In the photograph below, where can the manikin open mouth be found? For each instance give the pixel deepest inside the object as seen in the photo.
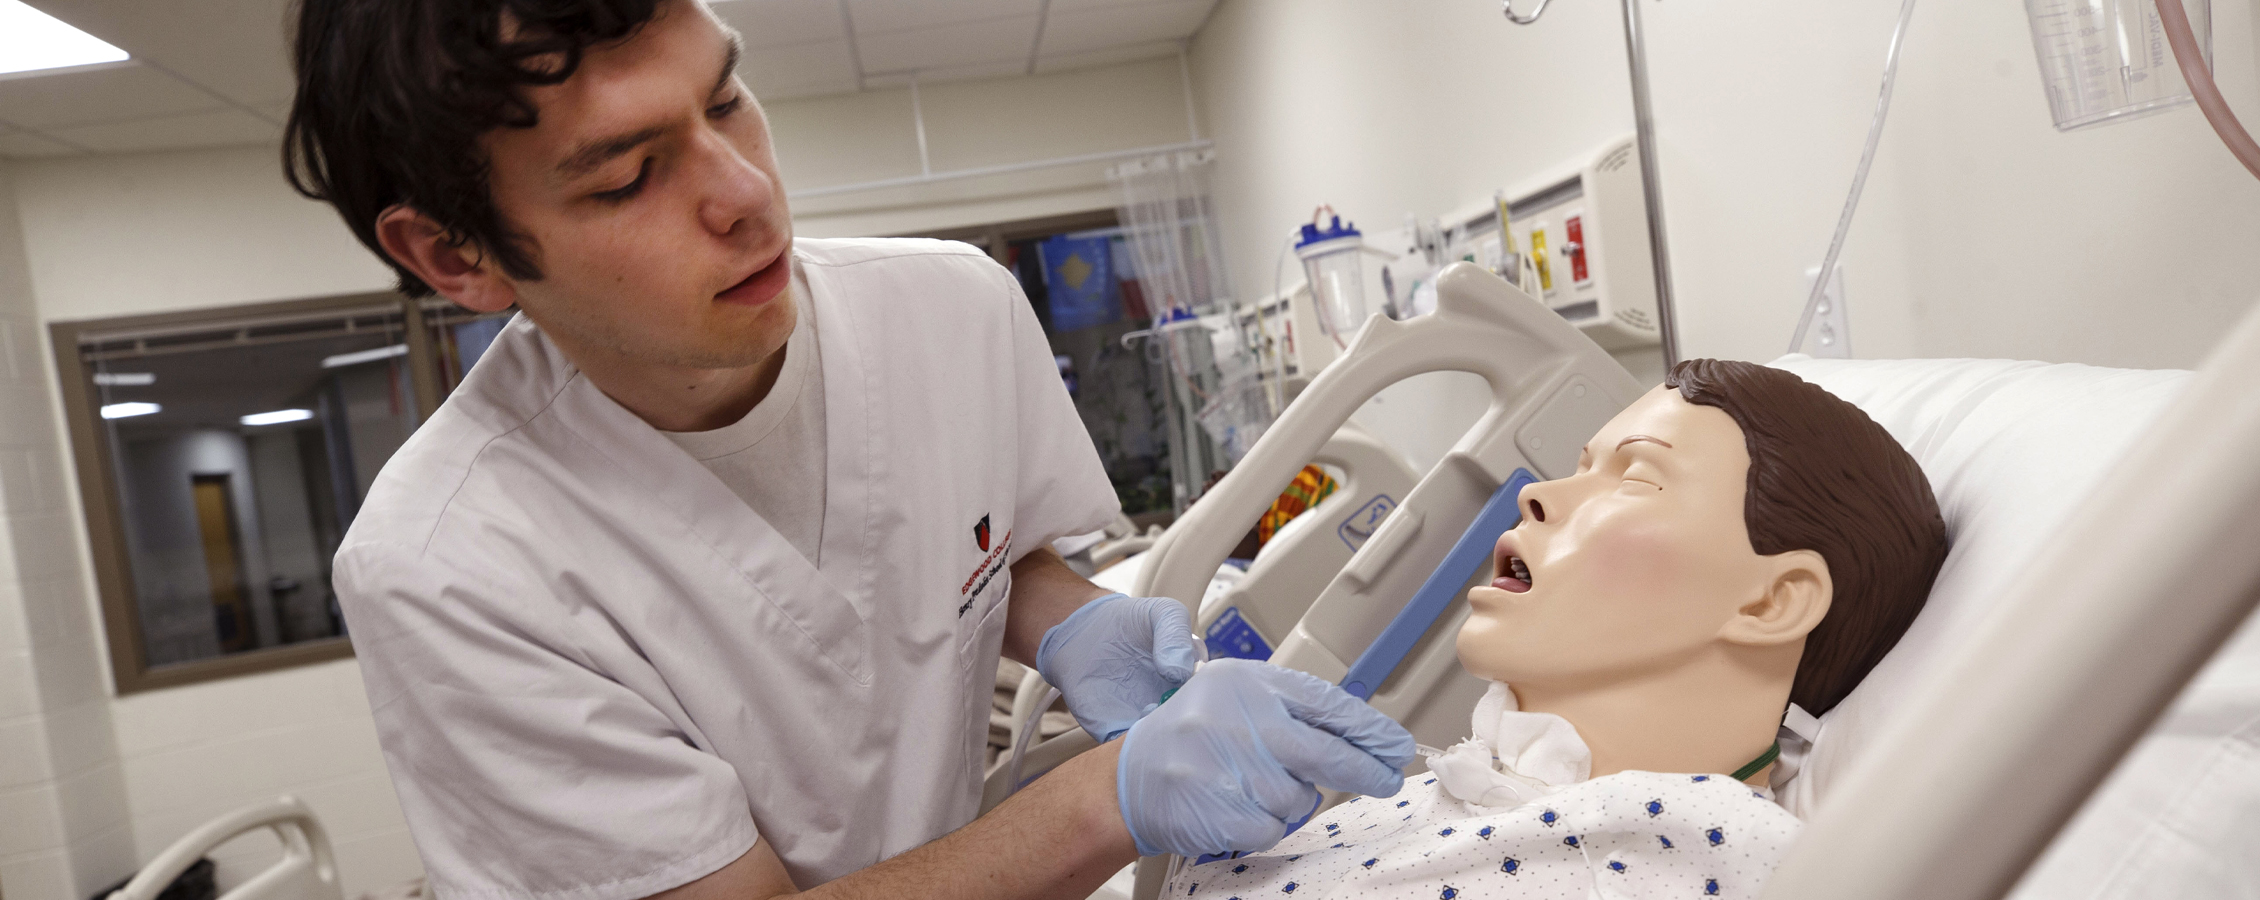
(1515, 578)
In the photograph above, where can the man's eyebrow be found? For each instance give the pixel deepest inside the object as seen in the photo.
(591, 154)
(733, 47)
(1635, 438)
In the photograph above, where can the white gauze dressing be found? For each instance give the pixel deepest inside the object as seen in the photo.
(1513, 757)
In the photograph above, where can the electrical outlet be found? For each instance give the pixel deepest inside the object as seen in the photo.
(1830, 336)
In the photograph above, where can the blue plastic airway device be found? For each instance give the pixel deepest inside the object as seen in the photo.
(1428, 604)
(1435, 596)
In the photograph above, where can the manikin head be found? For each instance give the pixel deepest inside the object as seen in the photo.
(1736, 530)
(598, 163)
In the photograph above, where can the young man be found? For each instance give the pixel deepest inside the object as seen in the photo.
(696, 585)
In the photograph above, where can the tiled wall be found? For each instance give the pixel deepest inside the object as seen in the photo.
(189, 754)
(63, 818)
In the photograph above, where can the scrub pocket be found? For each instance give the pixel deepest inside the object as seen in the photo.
(984, 619)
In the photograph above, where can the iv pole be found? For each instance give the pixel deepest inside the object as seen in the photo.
(1644, 130)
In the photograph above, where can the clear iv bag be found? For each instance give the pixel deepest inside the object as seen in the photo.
(2107, 60)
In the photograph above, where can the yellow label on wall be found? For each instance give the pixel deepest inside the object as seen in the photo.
(1538, 254)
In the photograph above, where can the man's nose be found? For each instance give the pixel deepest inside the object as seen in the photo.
(734, 191)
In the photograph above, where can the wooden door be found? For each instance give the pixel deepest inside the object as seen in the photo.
(215, 519)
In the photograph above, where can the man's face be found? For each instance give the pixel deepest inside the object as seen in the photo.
(1634, 563)
(650, 191)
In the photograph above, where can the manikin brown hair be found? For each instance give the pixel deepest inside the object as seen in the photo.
(1824, 477)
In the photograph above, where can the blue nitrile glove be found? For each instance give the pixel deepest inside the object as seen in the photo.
(1232, 758)
(1114, 658)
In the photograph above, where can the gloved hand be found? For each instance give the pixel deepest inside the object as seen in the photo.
(1230, 760)
(1114, 658)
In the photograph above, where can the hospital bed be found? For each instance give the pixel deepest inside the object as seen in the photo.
(2106, 528)
(306, 871)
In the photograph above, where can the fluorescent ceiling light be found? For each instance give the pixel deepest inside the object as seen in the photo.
(125, 379)
(31, 40)
(277, 417)
(127, 410)
(358, 357)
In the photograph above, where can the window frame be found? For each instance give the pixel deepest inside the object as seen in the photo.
(99, 495)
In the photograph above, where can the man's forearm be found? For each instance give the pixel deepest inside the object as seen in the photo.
(1061, 837)
(1044, 593)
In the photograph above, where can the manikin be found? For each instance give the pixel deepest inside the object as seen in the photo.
(1735, 542)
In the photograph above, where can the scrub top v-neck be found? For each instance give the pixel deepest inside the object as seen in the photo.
(773, 456)
(597, 673)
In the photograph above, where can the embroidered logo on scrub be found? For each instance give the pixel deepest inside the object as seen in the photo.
(987, 570)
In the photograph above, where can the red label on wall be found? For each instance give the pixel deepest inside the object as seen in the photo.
(1576, 248)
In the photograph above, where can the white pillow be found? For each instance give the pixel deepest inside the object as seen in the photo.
(2011, 450)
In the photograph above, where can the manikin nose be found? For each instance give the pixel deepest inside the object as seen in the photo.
(1535, 510)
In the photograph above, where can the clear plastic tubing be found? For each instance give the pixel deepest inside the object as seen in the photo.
(1859, 177)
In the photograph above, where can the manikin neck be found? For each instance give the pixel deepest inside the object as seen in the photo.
(1713, 713)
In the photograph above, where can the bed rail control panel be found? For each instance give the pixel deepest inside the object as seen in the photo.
(1467, 556)
(1395, 532)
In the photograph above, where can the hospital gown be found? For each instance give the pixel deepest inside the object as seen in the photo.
(1631, 834)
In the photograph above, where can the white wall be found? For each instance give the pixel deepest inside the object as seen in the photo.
(191, 753)
(855, 138)
(1984, 232)
(159, 232)
(120, 235)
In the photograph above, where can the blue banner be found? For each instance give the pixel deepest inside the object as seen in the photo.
(1079, 276)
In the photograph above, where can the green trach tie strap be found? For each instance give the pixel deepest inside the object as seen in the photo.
(1744, 773)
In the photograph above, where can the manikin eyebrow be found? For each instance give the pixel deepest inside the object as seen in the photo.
(590, 155)
(1634, 438)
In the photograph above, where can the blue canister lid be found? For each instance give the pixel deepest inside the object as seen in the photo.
(1313, 234)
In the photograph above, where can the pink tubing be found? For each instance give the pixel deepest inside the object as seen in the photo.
(2201, 86)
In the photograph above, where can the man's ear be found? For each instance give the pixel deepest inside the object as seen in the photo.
(458, 272)
(1797, 595)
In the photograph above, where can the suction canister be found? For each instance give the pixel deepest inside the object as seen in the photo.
(1333, 262)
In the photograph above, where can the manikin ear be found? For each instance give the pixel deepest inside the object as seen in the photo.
(458, 272)
(1796, 597)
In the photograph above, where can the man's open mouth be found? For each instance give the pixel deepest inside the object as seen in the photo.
(763, 284)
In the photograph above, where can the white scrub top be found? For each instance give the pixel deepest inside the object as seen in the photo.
(596, 673)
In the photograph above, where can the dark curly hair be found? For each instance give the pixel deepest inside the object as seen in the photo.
(393, 96)
(1825, 477)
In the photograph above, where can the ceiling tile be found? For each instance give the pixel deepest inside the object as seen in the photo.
(767, 23)
(999, 40)
(98, 95)
(26, 145)
(792, 70)
(1091, 59)
(878, 16)
(1076, 30)
(224, 128)
(235, 47)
